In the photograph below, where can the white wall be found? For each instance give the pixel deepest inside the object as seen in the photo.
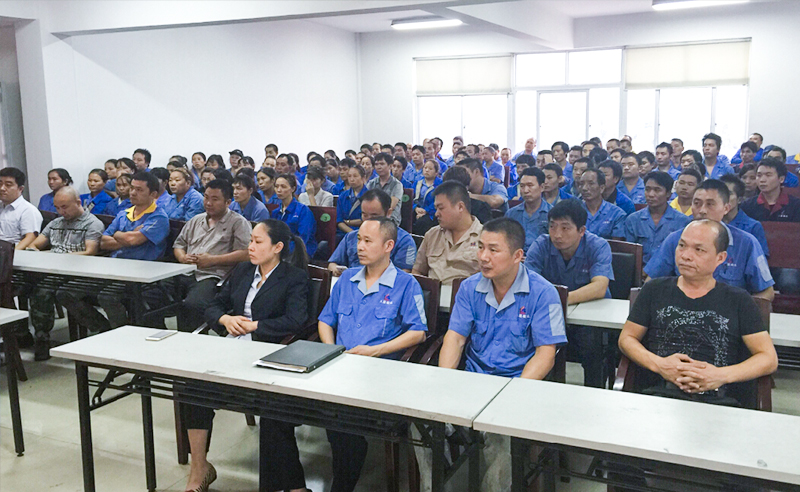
(12, 108)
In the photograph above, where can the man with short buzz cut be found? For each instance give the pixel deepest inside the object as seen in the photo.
(480, 188)
(388, 184)
(716, 163)
(772, 204)
(414, 171)
(20, 220)
(496, 170)
(376, 310)
(531, 214)
(631, 185)
(611, 144)
(575, 153)
(677, 152)
(663, 160)
(448, 249)
(651, 225)
(560, 152)
(758, 153)
(613, 173)
(141, 157)
(552, 191)
(745, 265)
(76, 232)
(603, 219)
(697, 338)
(737, 218)
(779, 153)
(374, 203)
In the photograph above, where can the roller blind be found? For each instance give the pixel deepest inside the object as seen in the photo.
(699, 64)
(464, 75)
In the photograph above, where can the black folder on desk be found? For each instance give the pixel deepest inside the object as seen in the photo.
(301, 356)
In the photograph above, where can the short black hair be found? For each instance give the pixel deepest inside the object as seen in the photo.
(746, 168)
(380, 195)
(457, 173)
(150, 180)
(270, 172)
(402, 160)
(535, 172)
(613, 165)
(749, 145)
(222, 185)
(576, 148)
(13, 172)
(402, 145)
(781, 150)
(290, 179)
(387, 227)
(545, 152)
(244, 180)
(555, 168)
(162, 173)
(100, 172)
(693, 173)
(471, 164)
(665, 145)
(601, 176)
(586, 160)
(713, 136)
(511, 229)
(677, 140)
(568, 209)
(145, 153)
(318, 158)
(775, 164)
(736, 181)
(561, 144)
(661, 178)
(347, 162)
(636, 156)
(613, 140)
(385, 157)
(455, 192)
(526, 159)
(620, 151)
(222, 173)
(718, 186)
(598, 154)
(315, 173)
(127, 163)
(272, 146)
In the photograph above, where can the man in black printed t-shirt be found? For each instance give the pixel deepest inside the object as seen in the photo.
(696, 336)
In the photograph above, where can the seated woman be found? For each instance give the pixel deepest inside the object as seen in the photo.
(111, 169)
(97, 199)
(314, 195)
(265, 300)
(56, 179)
(198, 164)
(748, 175)
(424, 210)
(298, 216)
(266, 186)
(186, 202)
(122, 201)
(244, 202)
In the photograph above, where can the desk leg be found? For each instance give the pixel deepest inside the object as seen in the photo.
(82, 372)
(474, 461)
(519, 451)
(149, 447)
(437, 450)
(137, 308)
(10, 348)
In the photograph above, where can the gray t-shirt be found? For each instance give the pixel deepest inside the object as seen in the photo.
(70, 236)
(229, 234)
(394, 189)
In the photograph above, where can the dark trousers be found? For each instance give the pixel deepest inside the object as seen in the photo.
(81, 306)
(349, 453)
(198, 296)
(279, 459)
(589, 343)
(42, 312)
(423, 225)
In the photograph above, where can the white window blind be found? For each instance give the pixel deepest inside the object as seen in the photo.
(464, 75)
(690, 65)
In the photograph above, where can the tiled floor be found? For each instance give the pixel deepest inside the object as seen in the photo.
(52, 458)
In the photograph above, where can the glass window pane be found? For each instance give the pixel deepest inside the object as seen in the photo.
(486, 119)
(731, 117)
(562, 116)
(684, 113)
(541, 69)
(604, 113)
(439, 117)
(641, 118)
(595, 67)
(525, 111)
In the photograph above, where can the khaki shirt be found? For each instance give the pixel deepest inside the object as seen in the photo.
(440, 259)
(229, 234)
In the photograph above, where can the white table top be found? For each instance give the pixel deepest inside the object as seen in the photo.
(444, 295)
(403, 388)
(729, 440)
(139, 271)
(11, 315)
(784, 329)
(602, 313)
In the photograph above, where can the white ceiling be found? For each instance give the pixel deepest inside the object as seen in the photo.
(380, 21)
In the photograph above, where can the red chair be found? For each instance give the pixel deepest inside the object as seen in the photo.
(507, 178)
(639, 206)
(781, 238)
(514, 203)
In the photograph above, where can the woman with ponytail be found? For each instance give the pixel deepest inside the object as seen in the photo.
(264, 300)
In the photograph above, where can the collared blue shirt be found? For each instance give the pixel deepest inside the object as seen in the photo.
(636, 194)
(46, 203)
(791, 180)
(197, 183)
(97, 204)
(338, 187)
(608, 222)
(273, 200)
(425, 198)
(111, 185)
(591, 259)
(535, 224)
(371, 316)
(403, 255)
(513, 176)
(155, 227)
(191, 205)
(301, 221)
(254, 211)
(745, 223)
(737, 157)
(347, 208)
(116, 206)
(674, 172)
(513, 192)
(721, 168)
(567, 171)
(640, 228)
(163, 199)
(496, 170)
(503, 337)
(563, 194)
(492, 188)
(746, 266)
(624, 203)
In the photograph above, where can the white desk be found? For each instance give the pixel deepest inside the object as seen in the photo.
(10, 345)
(785, 329)
(11, 315)
(733, 441)
(602, 313)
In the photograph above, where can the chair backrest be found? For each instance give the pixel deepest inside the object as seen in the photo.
(335, 200)
(6, 274)
(407, 209)
(175, 228)
(507, 178)
(781, 237)
(417, 239)
(47, 217)
(272, 206)
(626, 261)
(106, 219)
(795, 192)
(326, 225)
(320, 290)
(639, 206)
(431, 290)
(514, 203)
(764, 308)
(456, 285)
(558, 373)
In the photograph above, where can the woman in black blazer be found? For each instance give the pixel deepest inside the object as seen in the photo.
(267, 299)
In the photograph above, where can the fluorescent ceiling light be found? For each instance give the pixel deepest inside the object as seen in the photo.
(424, 23)
(691, 4)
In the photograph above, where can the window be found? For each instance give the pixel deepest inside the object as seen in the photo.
(541, 70)
(730, 122)
(479, 119)
(439, 117)
(604, 113)
(684, 113)
(595, 67)
(562, 116)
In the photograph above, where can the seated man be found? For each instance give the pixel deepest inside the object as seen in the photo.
(532, 212)
(523, 163)
(449, 249)
(745, 265)
(603, 218)
(772, 204)
(512, 319)
(20, 221)
(348, 209)
(631, 185)
(480, 188)
(374, 203)
(244, 203)
(215, 240)
(613, 172)
(480, 210)
(696, 337)
(650, 226)
(571, 256)
(376, 311)
(779, 153)
(688, 181)
(76, 232)
(553, 191)
(388, 184)
(736, 217)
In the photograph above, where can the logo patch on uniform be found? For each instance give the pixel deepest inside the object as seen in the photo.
(386, 300)
(523, 313)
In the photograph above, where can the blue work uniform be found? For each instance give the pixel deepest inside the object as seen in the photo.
(111, 185)
(188, 207)
(155, 227)
(411, 174)
(301, 221)
(404, 253)
(338, 187)
(746, 266)
(562, 195)
(622, 202)
(163, 199)
(567, 172)
(197, 183)
(534, 224)
(492, 188)
(371, 316)
(674, 172)
(118, 205)
(608, 222)
(348, 208)
(516, 156)
(636, 194)
(273, 200)
(720, 169)
(503, 337)
(640, 228)
(513, 192)
(425, 198)
(46, 203)
(791, 181)
(254, 211)
(737, 157)
(745, 223)
(496, 170)
(97, 204)
(591, 259)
